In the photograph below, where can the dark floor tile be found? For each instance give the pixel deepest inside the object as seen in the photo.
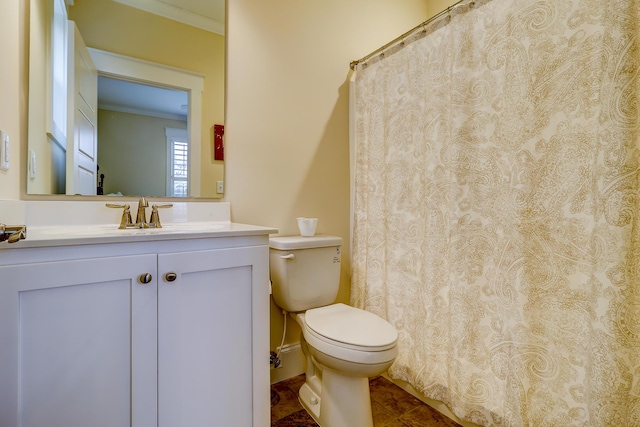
(426, 416)
(395, 423)
(297, 419)
(295, 383)
(392, 397)
(381, 416)
(287, 404)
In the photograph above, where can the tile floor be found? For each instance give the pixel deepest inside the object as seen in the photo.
(391, 407)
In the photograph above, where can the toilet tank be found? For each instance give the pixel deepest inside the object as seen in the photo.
(305, 271)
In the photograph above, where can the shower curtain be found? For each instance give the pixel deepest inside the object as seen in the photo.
(496, 211)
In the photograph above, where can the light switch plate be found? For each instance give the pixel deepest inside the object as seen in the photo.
(32, 164)
(4, 150)
(219, 187)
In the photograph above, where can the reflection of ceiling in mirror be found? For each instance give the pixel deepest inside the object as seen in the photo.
(130, 97)
(205, 14)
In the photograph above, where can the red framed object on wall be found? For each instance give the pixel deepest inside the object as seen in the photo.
(218, 142)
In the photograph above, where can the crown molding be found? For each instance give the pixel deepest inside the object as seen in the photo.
(177, 14)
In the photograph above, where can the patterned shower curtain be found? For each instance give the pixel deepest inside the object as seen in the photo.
(497, 210)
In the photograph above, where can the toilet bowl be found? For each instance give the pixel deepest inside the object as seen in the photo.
(343, 346)
(349, 334)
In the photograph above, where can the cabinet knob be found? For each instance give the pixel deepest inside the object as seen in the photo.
(170, 277)
(145, 278)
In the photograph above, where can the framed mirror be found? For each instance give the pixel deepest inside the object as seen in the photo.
(135, 157)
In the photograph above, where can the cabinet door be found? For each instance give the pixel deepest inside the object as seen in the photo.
(78, 343)
(213, 338)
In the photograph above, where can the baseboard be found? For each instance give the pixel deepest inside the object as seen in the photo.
(292, 363)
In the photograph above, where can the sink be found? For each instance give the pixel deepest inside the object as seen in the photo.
(84, 230)
(111, 230)
(183, 227)
(191, 226)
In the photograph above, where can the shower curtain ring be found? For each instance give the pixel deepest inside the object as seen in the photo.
(451, 9)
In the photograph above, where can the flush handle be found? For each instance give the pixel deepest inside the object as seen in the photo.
(288, 256)
(145, 278)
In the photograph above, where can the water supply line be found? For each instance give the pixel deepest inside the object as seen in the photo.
(275, 357)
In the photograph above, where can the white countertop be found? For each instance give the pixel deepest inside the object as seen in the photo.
(85, 223)
(47, 236)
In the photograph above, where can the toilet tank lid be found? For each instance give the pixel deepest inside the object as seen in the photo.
(287, 243)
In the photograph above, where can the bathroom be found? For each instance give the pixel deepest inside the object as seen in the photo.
(287, 138)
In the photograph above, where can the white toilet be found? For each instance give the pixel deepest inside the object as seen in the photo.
(344, 346)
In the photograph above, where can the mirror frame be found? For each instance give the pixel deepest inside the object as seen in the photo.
(150, 73)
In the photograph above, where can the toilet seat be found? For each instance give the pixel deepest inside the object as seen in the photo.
(349, 333)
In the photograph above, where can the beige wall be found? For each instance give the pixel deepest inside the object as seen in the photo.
(287, 110)
(12, 93)
(436, 6)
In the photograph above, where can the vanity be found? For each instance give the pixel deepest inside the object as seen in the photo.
(136, 327)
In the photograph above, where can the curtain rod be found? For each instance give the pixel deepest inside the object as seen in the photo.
(401, 38)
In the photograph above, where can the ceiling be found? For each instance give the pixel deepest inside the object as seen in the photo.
(129, 97)
(120, 95)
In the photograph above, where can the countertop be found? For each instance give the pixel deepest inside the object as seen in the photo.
(48, 236)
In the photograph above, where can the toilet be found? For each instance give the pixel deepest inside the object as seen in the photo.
(343, 346)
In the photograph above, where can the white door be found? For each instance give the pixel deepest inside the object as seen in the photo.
(82, 148)
(78, 343)
(210, 364)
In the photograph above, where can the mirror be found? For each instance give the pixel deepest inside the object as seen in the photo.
(126, 38)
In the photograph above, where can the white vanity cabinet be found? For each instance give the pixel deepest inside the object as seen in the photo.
(85, 342)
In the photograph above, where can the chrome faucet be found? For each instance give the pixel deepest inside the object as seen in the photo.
(12, 233)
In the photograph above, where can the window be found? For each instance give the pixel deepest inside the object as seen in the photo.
(177, 162)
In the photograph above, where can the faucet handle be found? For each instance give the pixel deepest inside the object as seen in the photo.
(19, 233)
(154, 221)
(12, 233)
(125, 221)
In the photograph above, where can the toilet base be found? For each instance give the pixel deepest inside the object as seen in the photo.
(337, 400)
(310, 401)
